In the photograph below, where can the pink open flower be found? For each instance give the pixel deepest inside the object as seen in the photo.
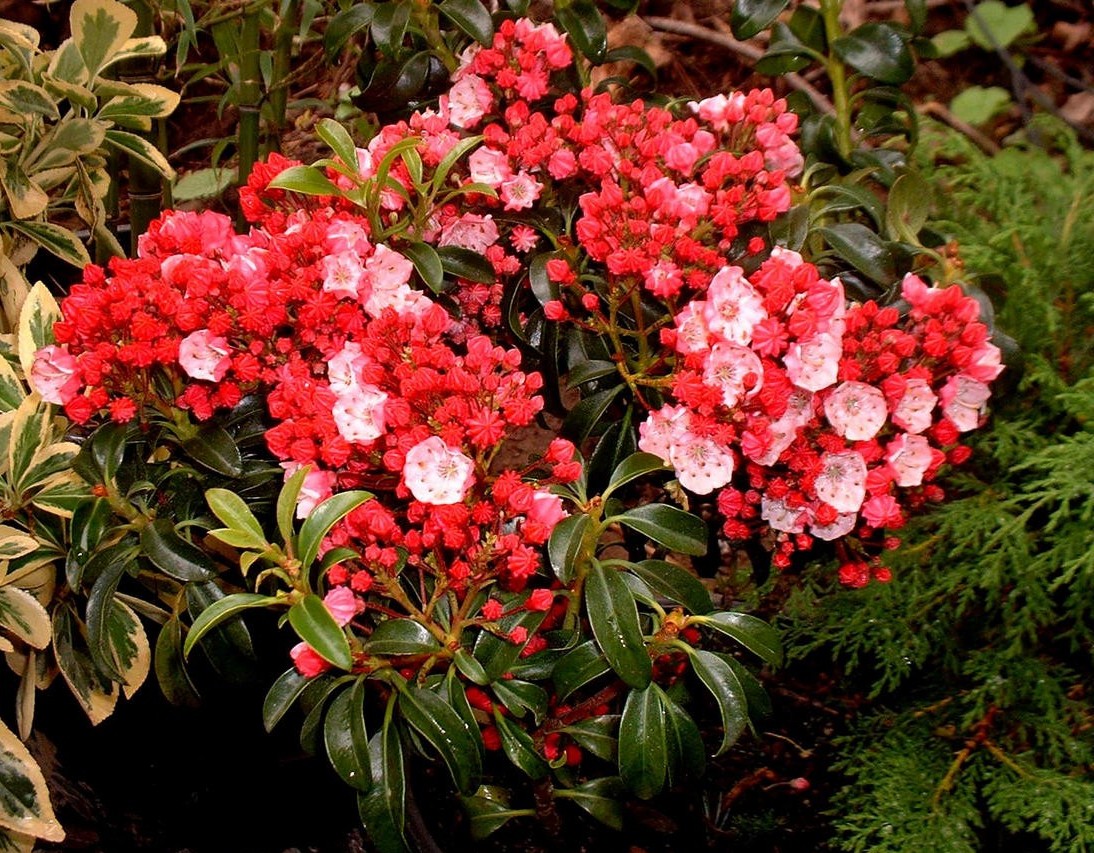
(204, 355)
(53, 375)
(842, 481)
(342, 604)
(856, 410)
(437, 474)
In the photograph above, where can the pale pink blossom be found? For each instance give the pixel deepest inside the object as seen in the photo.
(681, 156)
(317, 487)
(909, 457)
(342, 274)
(692, 334)
(856, 410)
(468, 100)
(842, 481)
(915, 410)
(813, 364)
(986, 363)
(689, 202)
(359, 414)
(964, 401)
(489, 166)
(733, 306)
(547, 509)
(344, 367)
(345, 235)
(734, 370)
(471, 231)
(387, 269)
(657, 433)
(520, 191)
(436, 474)
(844, 524)
(205, 232)
(780, 435)
(702, 464)
(342, 604)
(203, 355)
(782, 517)
(53, 375)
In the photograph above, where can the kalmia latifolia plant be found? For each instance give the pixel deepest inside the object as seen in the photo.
(406, 308)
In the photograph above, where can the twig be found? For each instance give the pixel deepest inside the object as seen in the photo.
(746, 51)
(940, 112)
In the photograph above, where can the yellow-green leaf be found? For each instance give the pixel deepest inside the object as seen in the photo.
(30, 430)
(96, 694)
(15, 543)
(25, 198)
(142, 99)
(100, 28)
(24, 800)
(142, 149)
(129, 647)
(23, 616)
(26, 99)
(140, 46)
(39, 312)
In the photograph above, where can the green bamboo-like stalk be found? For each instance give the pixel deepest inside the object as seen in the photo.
(145, 183)
(250, 93)
(837, 75)
(282, 66)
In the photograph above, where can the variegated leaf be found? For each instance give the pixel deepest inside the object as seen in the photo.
(39, 312)
(129, 647)
(96, 694)
(139, 99)
(16, 842)
(76, 93)
(13, 292)
(100, 28)
(18, 36)
(23, 616)
(25, 696)
(30, 430)
(7, 419)
(47, 461)
(37, 578)
(24, 800)
(140, 46)
(142, 149)
(61, 494)
(27, 99)
(15, 542)
(56, 240)
(25, 198)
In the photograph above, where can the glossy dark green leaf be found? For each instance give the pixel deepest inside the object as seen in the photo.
(456, 696)
(863, 249)
(95, 692)
(750, 17)
(346, 738)
(669, 526)
(584, 418)
(643, 743)
(319, 522)
(759, 703)
(389, 23)
(347, 23)
(722, 682)
(497, 655)
(602, 798)
(439, 724)
(583, 23)
(596, 735)
(107, 447)
(878, 51)
(674, 583)
(785, 53)
(99, 602)
(838, 198)
(286, 502)
(587, 371)
(401, 637)
(519, 748)
(635, 54)
(472, 670)
(753, 633)
(281, 696)
(170, 668)
(172, 554)
(90, 520)
(543, 288)
(488, 811)
(909, 207)
(579, 666)
(686, 753)
(459, 262)
(216, 611)
(807, 25)
(521, 697)
(564, 544)
(427, 263)
(313, 702)
(471, 17)
(306, 180)
(613, 617)
(315, 625)
(213, 448)
(634, 466)
(383, 807)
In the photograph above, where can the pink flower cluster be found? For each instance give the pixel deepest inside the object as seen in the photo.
(814, 420)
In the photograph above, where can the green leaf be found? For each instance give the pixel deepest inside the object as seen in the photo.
(339, 140)
(602, 798)
(27, 100)
(497, 655)
(100, 28)
(128, 646)
(141, 149)
(521, 696)
(613, 617)
(863, 249)
(315, 625)
(979, 105)
(437, 722)
(172, 554)
(564, 544)
(643, 742)
(471, 17)
(344, 25)
(633, 467)
(36, 318)
(321, 520)
(401, 637)
(596, 735)
(314, 701)
(754, 634)
(635, 54)
(488, 811)
(949, 42)
(909, 206)
(99, 602)
(281, 696)
(993, 24)
(583, 23)
(468, 666)
(674, 583)
(171, 675)
(203, 183)
(722, 682)
(231, 509)
(579, 666)
(346, 738)
(519, 748)
(222, 610)
(878, 51)
(306, 180)
(23, 615)
(669, 526)
(427, 263)
(389, 25)
(383, 807)
(686, 753)
(212, 447)
(24, 799)
(54, 239)
(286, 502)
(583, 419)
(95, 693)
(750, 17)
(917, 15)
(759, 703)
(459, 262)
(587, 371)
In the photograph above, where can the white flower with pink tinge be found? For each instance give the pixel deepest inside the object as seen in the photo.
(964, 401)
(909, 457)
(53, 375)
(204, 355)
(318, 486)
(658, 432)
(842, 481)
(813, 364)
(735, 371)
(520, 191)
(856, 411)
(342, 274)
(692, 334)
(845, 522)
(471, 231)
(781, 516)
(359, 414)
(702, 464)
(489, 166)
(468, 101)
(733, 307)
(344, 368)
(915, 411)
(437, 474)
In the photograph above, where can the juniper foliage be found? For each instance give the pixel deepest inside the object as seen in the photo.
(969, 676)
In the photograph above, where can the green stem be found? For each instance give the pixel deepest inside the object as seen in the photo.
(250, 95)
(282, 66)
(837, 75)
